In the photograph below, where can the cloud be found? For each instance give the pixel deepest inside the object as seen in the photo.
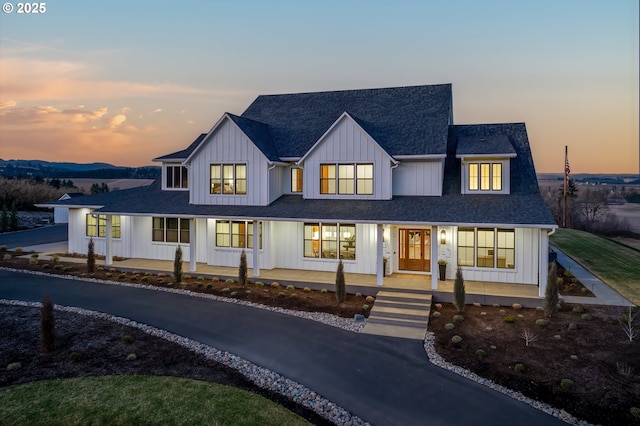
(117, 120)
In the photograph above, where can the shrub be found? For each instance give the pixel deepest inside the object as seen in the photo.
(91, 257)
(307, 289)
(573, 326)
(199, 285)
(160, 281)
(209, 286)
(229, 281)
(509, 320)
(449, 326)
(18, 251)
(577, 309)
(74, 357)
(282, 294)
(459, 291)
(3, 248)
(341, 287)
(215, 280)
(134, 278)
(586, 317)
(516, 306)
(366, 307)
(369, 299)
(358, 294)
(481, 353)
(14, 366)
(177, 265)
(186, 277)
(259, 284)
(127, 339)
(200, 278)
(7, 256)
(566, 384)
(144, 279)
(131, 357)
(47, 326)
(226, 290)
(247, 292)
(242, 269)
(122, 276)
(435, 314)
(324, 290)
(233, 293)
(161, 274)
(635, 412)
(33, 260)
(108, 274)
(458, 318)
(147, 274)
(46, 266)
(456, 340)
(541, 322)
(275, 284)
(290, 287)
(551, 296)
(293, 295)
(519, 368)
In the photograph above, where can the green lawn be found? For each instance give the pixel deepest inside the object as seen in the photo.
(613, 263)
(141, 400)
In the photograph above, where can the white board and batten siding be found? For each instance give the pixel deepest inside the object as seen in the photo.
(79, 241)
(418, 178)
(230, 256)
(527, 241)
(228, 145)
(288, 243)
(348, 143)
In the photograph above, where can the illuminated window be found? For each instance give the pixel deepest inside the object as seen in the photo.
(346, 179)
(170, 230)
(485, 176)
(330, 241)
(97, 226)
(486, 247)
(296, 180)
(177, 177)
(237, 234)
(228, 179)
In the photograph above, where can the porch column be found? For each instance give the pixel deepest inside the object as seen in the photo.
(108, 256)
(379, 254)
(543, 263)
(192, 245)
(434, 257)
(256, 248)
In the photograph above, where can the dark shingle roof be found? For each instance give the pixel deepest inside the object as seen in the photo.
(182, 155)
(484, 145)
(403, 120)
(259, 134)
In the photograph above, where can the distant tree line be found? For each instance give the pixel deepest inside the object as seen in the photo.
(24, 193)
(148, 172)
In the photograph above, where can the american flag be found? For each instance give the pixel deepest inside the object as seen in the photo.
(567, 170)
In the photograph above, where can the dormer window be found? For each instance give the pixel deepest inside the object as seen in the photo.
(485, 176)
(228, 179)
(177, 177)
(346, 179)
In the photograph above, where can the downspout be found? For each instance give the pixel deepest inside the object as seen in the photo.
(550, 233)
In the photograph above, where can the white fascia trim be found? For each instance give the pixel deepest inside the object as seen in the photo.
(466, 157)
(335, 123)
(70, 206)
(170, 160)
(421, 157)
(290, 159)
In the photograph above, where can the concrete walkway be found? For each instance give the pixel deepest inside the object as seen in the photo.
(605, 295)
(383, 380)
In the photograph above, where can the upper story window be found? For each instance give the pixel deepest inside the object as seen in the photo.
(346, 179)
(296, 180)
(228, 179)
(486, 247)
(177, 177)
(97, 226)
(485, 176)
(170, 230)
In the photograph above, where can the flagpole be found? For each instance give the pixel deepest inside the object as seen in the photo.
(566, 178)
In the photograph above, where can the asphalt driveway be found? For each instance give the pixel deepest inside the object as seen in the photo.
(386, 381)
(37, 236)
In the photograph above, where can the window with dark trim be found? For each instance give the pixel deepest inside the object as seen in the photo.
(330, 241)
(97, 226)
(170, 230)
(236, 234)
(346, 179)
(228, 179)
(486, 247)
(177, 177)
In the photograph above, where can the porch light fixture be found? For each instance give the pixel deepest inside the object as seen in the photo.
(443, 237)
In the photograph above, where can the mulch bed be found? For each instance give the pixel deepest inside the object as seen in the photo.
(87, 346)
(569, 285)
(588, 356)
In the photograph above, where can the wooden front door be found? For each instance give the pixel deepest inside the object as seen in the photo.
(415, 249)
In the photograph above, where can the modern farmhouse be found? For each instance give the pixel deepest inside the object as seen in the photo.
(377, 178)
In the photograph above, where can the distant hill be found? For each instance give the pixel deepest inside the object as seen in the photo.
(598, 178)
(47, 169)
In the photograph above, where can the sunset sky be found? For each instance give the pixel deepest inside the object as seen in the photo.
(126, 81)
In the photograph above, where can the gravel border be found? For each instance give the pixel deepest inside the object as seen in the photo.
(292, 391)
(262, 377)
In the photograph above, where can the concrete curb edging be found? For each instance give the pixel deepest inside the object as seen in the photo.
(260, 376)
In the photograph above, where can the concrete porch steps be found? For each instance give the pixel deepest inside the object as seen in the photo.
(400, 314)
